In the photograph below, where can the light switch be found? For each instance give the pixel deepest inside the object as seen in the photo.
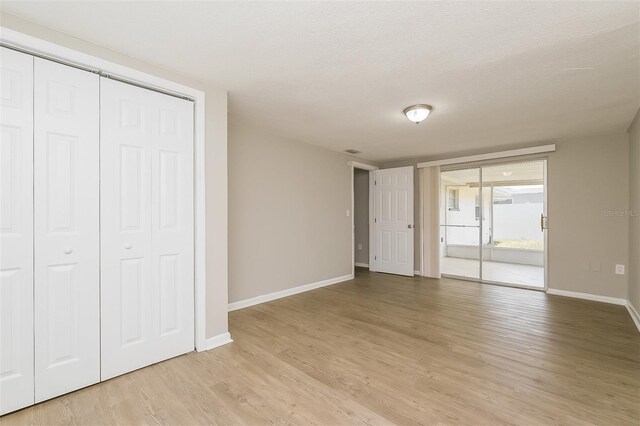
(620, 269)
(359, 246)
(348, 213)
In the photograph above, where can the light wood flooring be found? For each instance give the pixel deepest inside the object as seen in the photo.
(384, 349)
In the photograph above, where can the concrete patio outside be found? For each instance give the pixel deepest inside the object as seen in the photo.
(508, 273)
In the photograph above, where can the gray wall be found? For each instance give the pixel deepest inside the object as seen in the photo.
(586, 178)
(361, 215)
(634, 218)
(288, 223)
(216, 160)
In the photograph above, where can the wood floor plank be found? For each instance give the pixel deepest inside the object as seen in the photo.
(384, 349)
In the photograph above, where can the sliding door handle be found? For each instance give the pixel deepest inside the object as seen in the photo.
(543, 223)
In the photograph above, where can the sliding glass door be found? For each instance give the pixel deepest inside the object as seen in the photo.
(460, 227)
(492, 219)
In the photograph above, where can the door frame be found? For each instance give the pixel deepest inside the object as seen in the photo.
(57, 53)
(362, 166)
(492, 162)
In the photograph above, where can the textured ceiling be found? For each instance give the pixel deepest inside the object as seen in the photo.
(339, 74)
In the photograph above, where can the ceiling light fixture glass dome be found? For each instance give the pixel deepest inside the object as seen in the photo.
(418, 112)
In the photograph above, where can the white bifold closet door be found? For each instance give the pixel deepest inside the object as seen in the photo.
(16, 230)
(66, 229)
(147, 236)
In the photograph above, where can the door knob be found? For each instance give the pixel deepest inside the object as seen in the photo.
(127, 246)
(410, 226)
(68, 250)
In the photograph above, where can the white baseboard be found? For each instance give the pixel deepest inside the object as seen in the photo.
(634, 314)
(361, 265)
(288, 292)
(219, 340)
(417, 273)
(588, 296)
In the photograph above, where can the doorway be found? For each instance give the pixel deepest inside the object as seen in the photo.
(493, 223)
(388, 209)
(361, 218)
(361, 212)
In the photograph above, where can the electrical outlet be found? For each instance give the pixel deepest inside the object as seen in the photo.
(620, 269)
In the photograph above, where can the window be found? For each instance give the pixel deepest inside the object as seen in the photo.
(454, 199)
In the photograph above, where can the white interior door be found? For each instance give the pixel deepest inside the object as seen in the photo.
(16, 230)
(393, 221)
(147, 232)
(66, 229)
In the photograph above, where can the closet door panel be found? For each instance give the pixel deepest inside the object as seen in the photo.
(66, 225)
(173, 227)
(127, 326)
(146, 226)
(16, 230)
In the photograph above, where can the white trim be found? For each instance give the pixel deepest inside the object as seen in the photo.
(219, 340)
(490, 156)
(200, 239)
(587, 296)
(418, 273)
(362, 166)
(481, 224)
(353, 219)
(72, 57)
(421, 221)
(372, 240)
(634, 314)
(285, 293)
(361, 265)
(545, 211)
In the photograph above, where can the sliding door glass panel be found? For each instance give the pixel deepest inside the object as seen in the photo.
(460, 223)
(486, 215)
(513, 252)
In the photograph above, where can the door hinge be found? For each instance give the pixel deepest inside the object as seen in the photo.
(375, 182)
(375, 257)
(375, 220)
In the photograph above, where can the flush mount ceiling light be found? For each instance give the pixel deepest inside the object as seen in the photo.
(417, 113)
(507, 173)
